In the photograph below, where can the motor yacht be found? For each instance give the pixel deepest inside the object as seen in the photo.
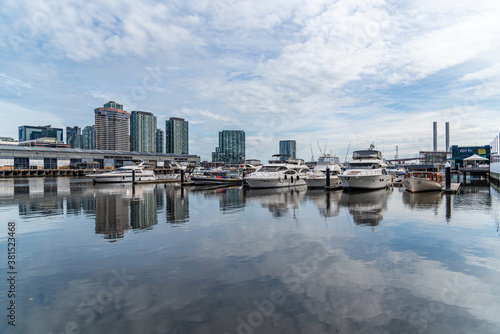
(125, 174)
(366, 171)
(317, 178)
(277, 174)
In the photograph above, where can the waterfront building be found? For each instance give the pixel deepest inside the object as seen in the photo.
(27, 132)
(74, 136)
(111, 127)
(142, 132)
(55, 156)
(459, 153)
(231, 148)
(176, 136)
(288, 149)
(160, 135)
(88, 137)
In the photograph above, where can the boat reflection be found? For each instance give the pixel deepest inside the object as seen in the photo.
(422, 200)
(366, 208)
(278, 200)
(326, 201)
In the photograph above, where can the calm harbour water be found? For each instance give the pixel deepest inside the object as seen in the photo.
(163, 259)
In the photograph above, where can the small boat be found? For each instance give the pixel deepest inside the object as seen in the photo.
(367, 171)
(217, 177)
(423, 181)
(317, 178)
(125, 174)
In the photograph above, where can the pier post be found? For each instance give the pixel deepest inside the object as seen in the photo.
(182, 176)
(133, 175)
(327, 177)
(448, 176)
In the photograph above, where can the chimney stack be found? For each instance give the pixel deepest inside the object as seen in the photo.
(447, 129)
(435, 136)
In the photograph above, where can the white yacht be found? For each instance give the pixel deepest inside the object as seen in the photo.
(277, 174)
(366, 171)
(317, 178)
(125, 174)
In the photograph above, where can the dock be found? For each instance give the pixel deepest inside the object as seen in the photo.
(453, 188)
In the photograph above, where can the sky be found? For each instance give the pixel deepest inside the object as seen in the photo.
(335, 76)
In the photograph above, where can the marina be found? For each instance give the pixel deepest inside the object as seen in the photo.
(188, 260)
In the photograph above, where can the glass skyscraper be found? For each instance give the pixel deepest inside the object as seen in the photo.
(88, 137)
(111, 127)
(176, 136)
(142, 132)
(27, 132)
(288, 149)
(160, 139)
(74, 136)
(231, 148)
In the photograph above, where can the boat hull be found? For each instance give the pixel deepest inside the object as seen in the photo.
(277, 182)
(416, 184)
(365, 182)
(204, 181)
(317, 182)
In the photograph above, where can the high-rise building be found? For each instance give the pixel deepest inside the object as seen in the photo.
(88, 137)
(27, 132)
(288, 149)
(231, 148)
(160, 135)
(142, 132)
(111, 127)
(176, 136)
(74, 136)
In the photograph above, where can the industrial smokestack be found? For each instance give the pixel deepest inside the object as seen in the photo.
(435, 136)
(447, 129)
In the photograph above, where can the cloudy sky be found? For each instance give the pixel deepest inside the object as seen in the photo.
(342, 74)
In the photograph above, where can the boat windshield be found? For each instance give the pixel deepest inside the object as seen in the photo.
(363, 165)
(271, 168)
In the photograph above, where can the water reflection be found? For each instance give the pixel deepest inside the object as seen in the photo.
(177, 206)
(423, 200)
(143, 206)
(326, 201)
(366, 208)
(279, 201)
(39, 197)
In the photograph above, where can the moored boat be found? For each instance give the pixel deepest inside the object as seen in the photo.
(317, 178)
(125, 174)
(423, 181)
(367, 171)
(277, 174)
(218, 177)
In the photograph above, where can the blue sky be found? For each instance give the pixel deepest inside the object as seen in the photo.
(336, 72)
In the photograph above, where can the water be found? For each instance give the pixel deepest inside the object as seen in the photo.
(162, 259)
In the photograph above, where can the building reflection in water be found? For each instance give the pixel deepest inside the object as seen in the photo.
(366, 208)
(38, 197)
(177, 204)
(230, 198)
(143, 206)
(111, 212)
(279, 201)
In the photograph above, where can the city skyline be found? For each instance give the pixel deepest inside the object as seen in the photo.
(346, 73)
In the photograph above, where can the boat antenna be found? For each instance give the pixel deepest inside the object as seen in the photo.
(312, 154)
(348, 147)
(325, 146)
